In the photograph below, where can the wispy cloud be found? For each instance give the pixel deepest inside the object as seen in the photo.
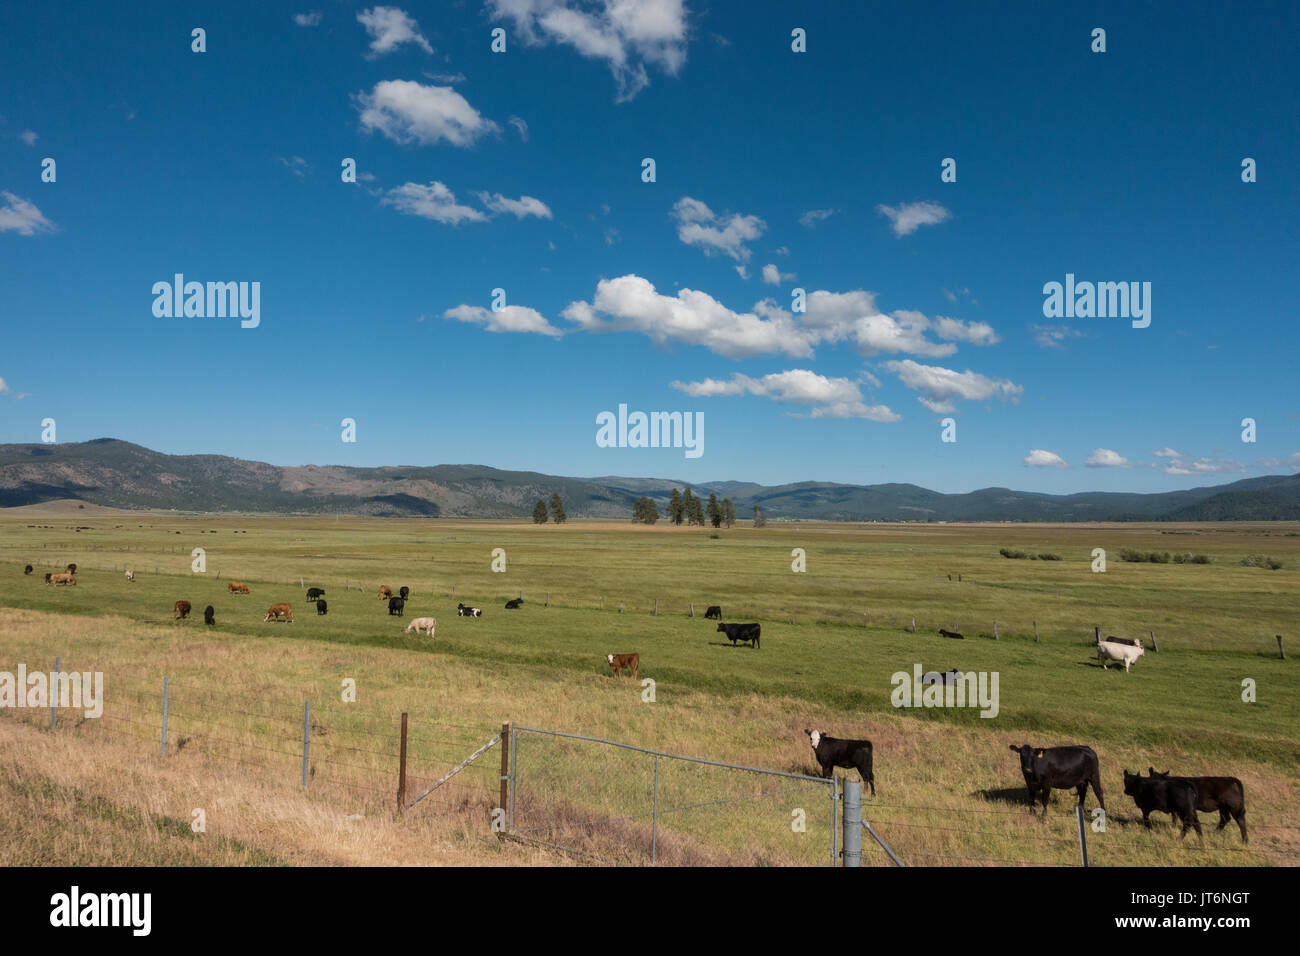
(1053, 336)
(810, 218)
(520, 208)
(836, 397)
(29, 137)
(389, 28)
(906, 218)
(1204, 466)
(941, 387)
(697, 225)
(310, 19)
(510, 318)
(21, 216)
(1167, 452)
(296, 165)
(434, 201)
(520, 126)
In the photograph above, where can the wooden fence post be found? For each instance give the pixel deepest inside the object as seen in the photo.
(1154, 646)
(1035, 632)
(692, 609)
(995, 630)
(1280, 653)
(548, 598)
(656, 607)
(401, 770)
(913, 625)
(1096, 634)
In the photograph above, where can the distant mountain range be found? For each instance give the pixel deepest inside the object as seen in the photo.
(118, 474)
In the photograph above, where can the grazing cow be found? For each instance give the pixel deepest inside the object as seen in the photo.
(832, 752)
(71, 569)
(463, 611)
(619, 661)
(321, 606)
(1224, 794)
(237, 587)
(952, 634)
(404, 592)
(130, 575)
(278, 612)
(63, 577)
(514, 605)
(180, 610)
(1164, 794)
(314, 593)
(1107, 652)
(209, 615)
(741, 632)
(385, 591)
(27, 570)
(713, 611)
(1060, 768)
(945, 678)
(422, 624)
(396, 605)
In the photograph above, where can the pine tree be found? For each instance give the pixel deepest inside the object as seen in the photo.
(728, 512)
(715, 512)
(645, 511)
(694, 510)
(557, 509)
(676, 509)
(539, 512)
(759, 520)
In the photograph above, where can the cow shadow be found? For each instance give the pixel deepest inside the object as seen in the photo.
(1012, 796)
(728, 644)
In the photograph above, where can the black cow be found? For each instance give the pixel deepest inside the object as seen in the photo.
(943, 633)
(832, 752)
(395, 606)
(1130, 641)
(209, 615)
(321, 606)
(513, 605)
(1059, 768)
(314, 593)
(1164, 794)
(404, 591)
(27, 570)
(72, 569)
(1225, 794)
(740, 632)
(713, 611)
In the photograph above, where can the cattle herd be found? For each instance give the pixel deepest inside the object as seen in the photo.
(1044, 768)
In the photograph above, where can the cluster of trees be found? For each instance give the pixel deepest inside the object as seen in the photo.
(686, 508)
(557, 510)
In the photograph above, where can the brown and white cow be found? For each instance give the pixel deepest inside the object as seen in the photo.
(278, 611)
(385, 591)
(619, 661)
(130, 575)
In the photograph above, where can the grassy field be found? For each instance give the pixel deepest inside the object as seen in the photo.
(948, 789)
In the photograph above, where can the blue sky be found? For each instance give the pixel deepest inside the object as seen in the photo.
(522, 171)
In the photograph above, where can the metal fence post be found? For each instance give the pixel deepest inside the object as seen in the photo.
(166, 688)
(654, 817)
(306, 739)
(852, 823)
(514, 775)
(401, 769)
(1083, 842)
(54, 695)
(835, 795)
(505, 765)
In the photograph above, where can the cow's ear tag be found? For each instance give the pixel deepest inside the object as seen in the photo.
(1039, 754)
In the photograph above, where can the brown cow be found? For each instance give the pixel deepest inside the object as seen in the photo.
(63, 577)
(130, 575)
(181, 610)
(619, 661)
(237, 587)
(385, 591)
(278, 611)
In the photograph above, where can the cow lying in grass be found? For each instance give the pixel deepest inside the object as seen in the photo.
(619, 661)
(1224, 794)
(953, 634)
(514, 604)
(831, 752)
(463, 611)
(1169, 795)
(1059, 768)
(279, 612)
(426, 624)
(1107, 652)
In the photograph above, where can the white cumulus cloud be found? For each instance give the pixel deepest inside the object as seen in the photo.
(1105, 458)
(941, 387)
(511, 318)
(434, 201)
(697, 225)
(1039, 458)
(837, 397)
(389, 28)
(406, 111)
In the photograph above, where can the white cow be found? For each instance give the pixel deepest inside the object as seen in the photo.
(1108, 651)
(422, 624)
(130, 575)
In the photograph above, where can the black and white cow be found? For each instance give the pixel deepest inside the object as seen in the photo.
(463, 611)
(832, 752)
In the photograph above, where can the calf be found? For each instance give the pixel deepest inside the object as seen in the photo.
(237, 587)
(314, 593)
(512, 605)
(713, 611)
(1060, 768)
(1107, 652)
(385, 591)
(741, 632)
(396, 605)
(321, 607)
(619, 661)
(954, 634)
(1167, 795)
(422, 624)
(831, 752)
(130, 575)
(180, 610)
(404, 592)
(209, 615)
(27, 570)
(1225, 794)
(278, 612)
(463, 611)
